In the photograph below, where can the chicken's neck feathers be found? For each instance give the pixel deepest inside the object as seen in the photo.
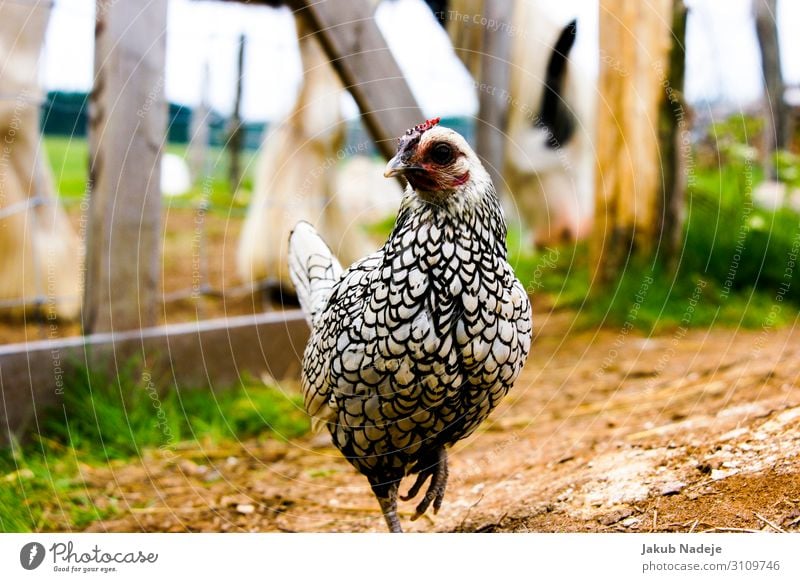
(471, 213)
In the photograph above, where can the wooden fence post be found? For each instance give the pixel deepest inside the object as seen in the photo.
(236, 127)
(357, 50)
(199, 130)
(776, 134)
(635, 41)
(490, 135)
(127, 132)
(674, 142)
(39, 249)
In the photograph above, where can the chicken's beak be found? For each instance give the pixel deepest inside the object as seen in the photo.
(395, 167)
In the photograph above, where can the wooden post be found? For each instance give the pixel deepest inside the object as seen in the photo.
(127, 133)
(39, 249)
(493, 104)
(674, 141)
(357, 50)
(198, 139)
(235, 130)
(635, 41)
(775, 110)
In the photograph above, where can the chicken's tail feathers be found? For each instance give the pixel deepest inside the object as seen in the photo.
(313, 269)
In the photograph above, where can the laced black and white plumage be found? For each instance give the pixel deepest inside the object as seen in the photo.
(413, 346)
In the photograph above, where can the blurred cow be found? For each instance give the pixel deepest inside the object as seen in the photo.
(549, 158)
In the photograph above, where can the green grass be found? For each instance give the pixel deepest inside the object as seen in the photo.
(106, 421)
(733, 270)
(649, 299)
(69, 162)
(736, 243)
(42, 490)
(118, 418)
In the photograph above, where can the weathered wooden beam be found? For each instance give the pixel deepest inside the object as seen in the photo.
(127, 133)
(635, 39)
(359, 53)
(673, 134)
(236, 128)
(213, 354)
(490, 132)
(776, 123)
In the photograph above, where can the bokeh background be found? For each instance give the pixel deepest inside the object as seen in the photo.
(155, 156)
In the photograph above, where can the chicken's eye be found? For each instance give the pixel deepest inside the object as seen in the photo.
(442, 154)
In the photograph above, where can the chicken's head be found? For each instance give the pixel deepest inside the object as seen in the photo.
(436, 160)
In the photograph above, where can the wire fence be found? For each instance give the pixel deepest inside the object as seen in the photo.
(36, 305)
(71, 113)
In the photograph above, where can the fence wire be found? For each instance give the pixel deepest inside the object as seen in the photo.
(37, 304)
(35, 307)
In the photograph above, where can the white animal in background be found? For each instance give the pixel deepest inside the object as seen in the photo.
(176, 179)
(549, 158)
(40, 253)
(302, 175)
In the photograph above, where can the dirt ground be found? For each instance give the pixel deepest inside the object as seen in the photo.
(604, 432)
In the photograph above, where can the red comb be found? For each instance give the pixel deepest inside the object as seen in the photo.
(423, 127)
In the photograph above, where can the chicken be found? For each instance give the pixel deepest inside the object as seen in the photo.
(413, 346)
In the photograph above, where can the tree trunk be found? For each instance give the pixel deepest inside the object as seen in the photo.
(635, 41)
(775, 114)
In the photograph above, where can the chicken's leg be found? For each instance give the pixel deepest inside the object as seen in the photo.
(386, 492)
(436, 469)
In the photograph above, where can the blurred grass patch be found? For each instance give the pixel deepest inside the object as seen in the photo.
(69, 163)
(739, 266)
(116, 418)
(105, 421)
